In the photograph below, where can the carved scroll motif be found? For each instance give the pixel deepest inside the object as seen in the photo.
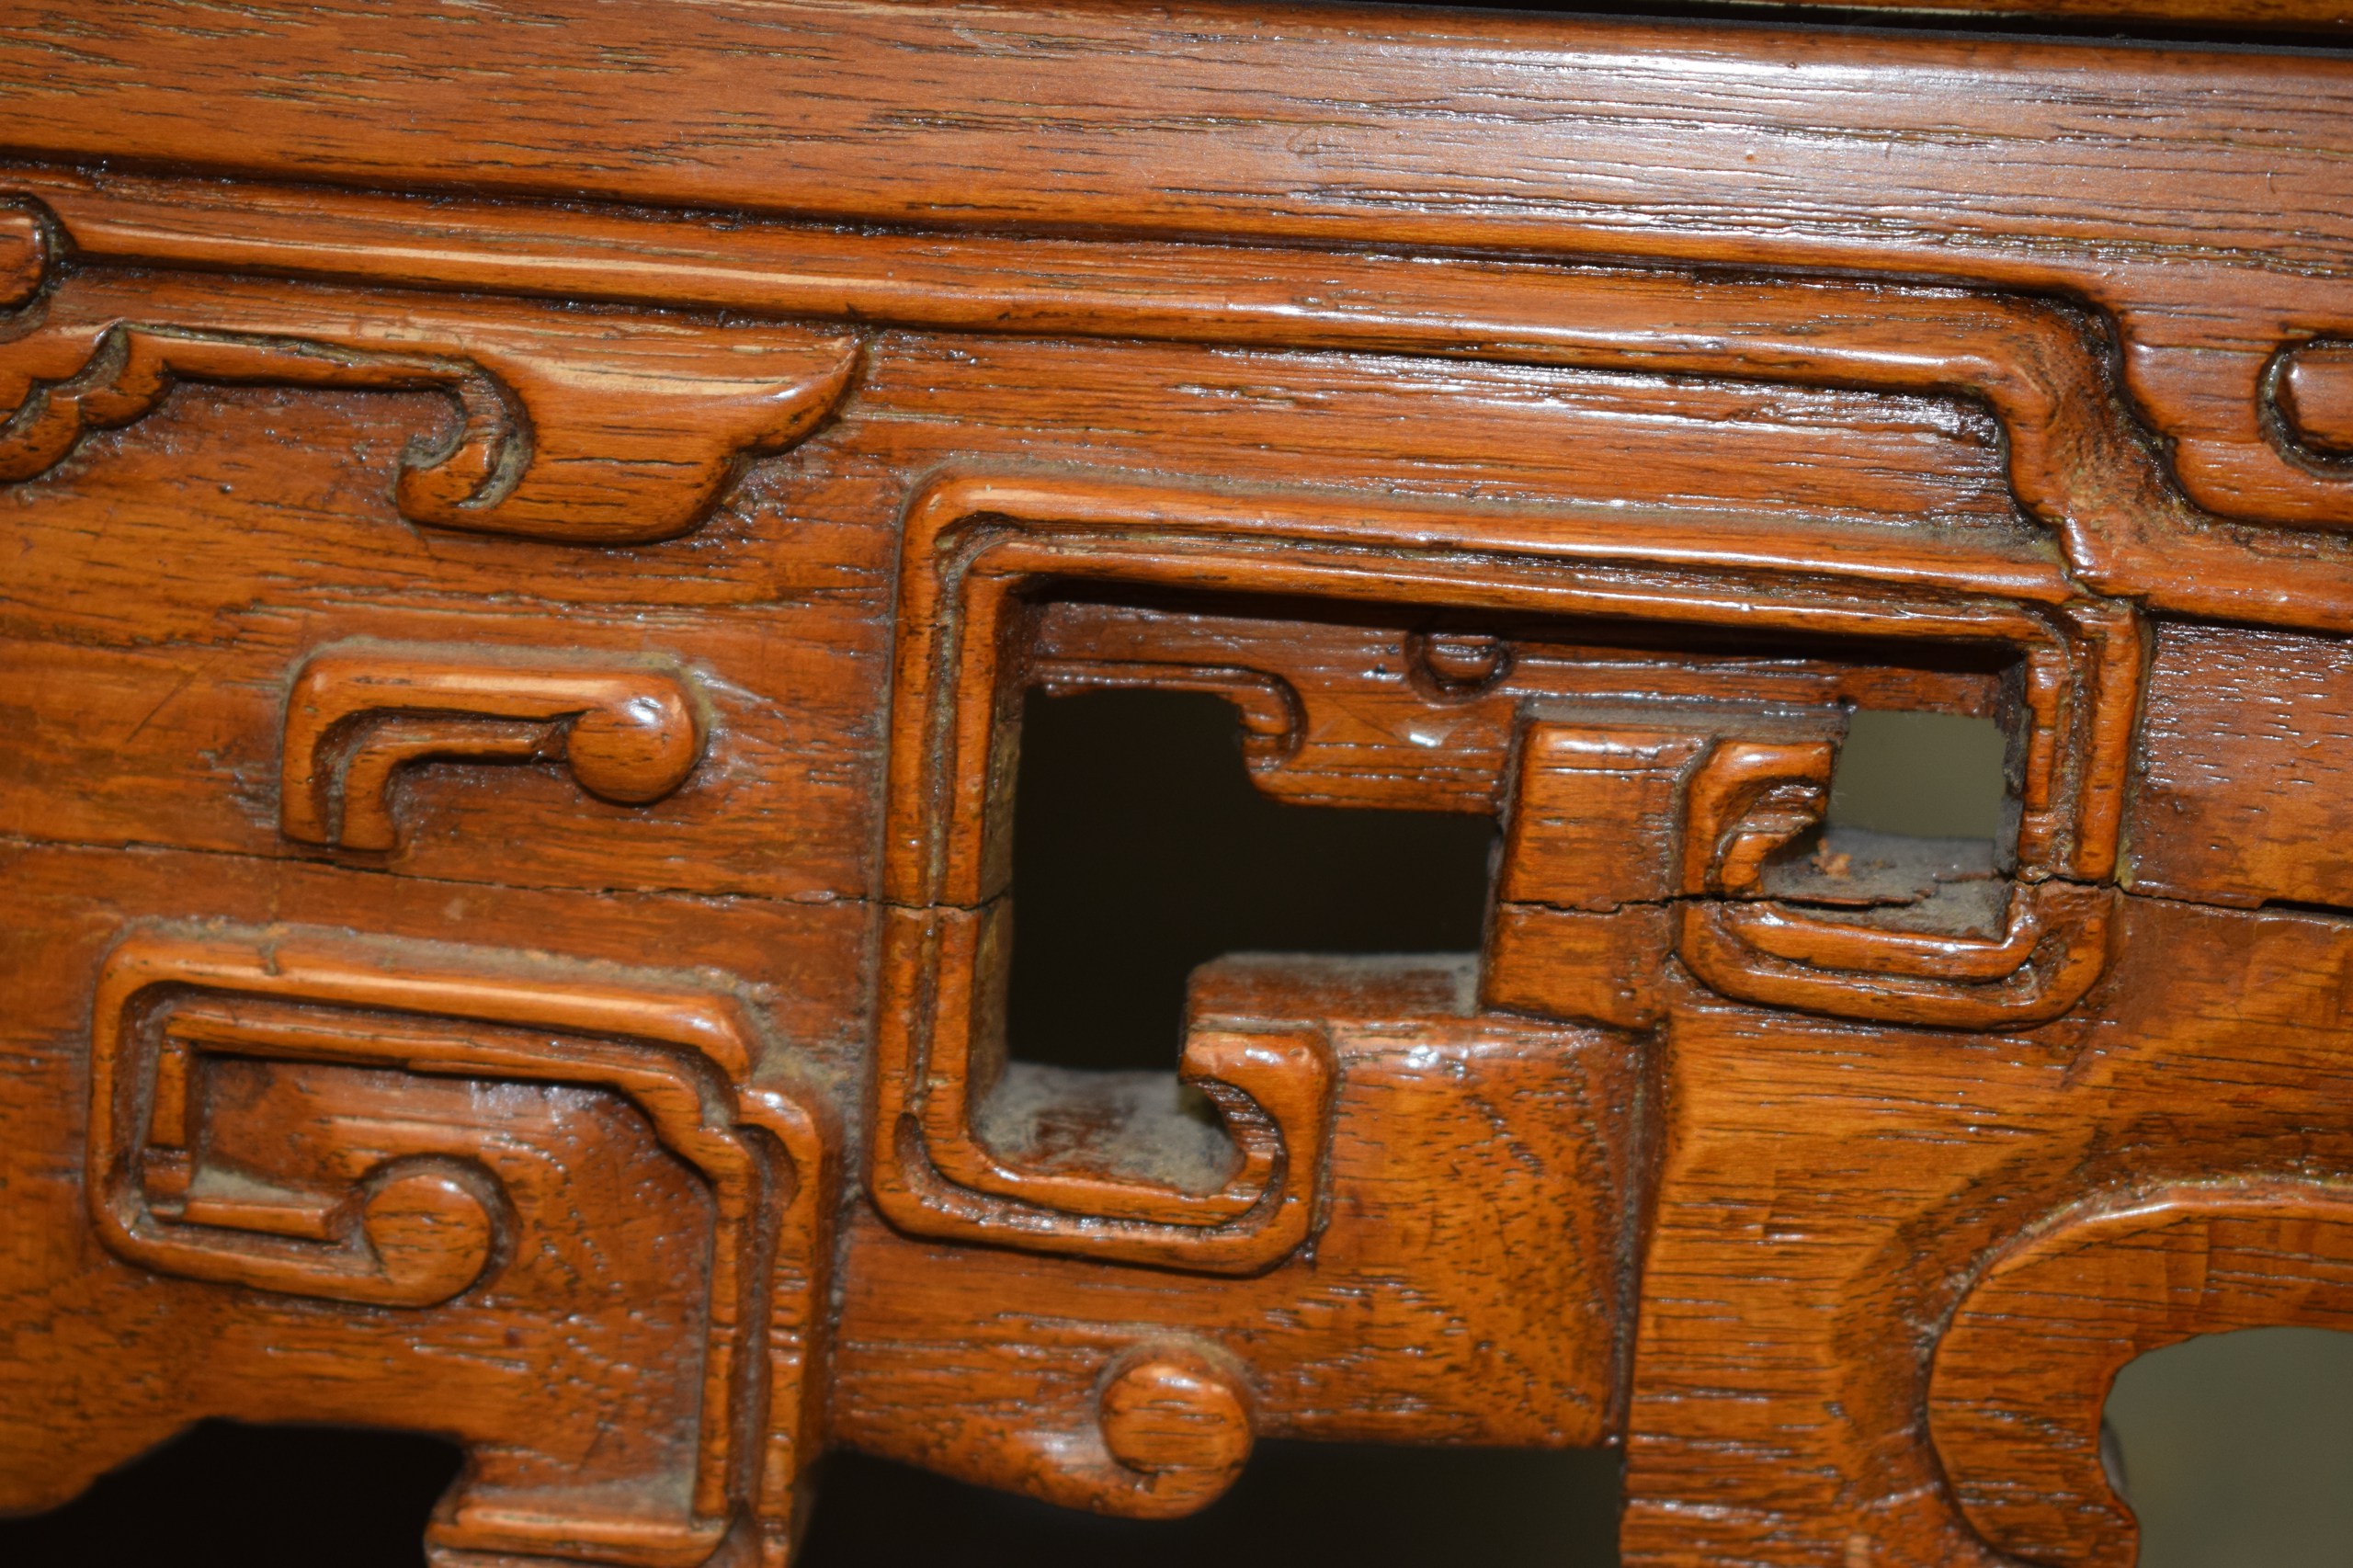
(616, 428)
(1639, 828)
(2079, 460)
(419, 1223)
(629, 734)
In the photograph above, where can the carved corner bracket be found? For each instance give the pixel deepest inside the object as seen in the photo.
(417, 1226)
(617, 427)
(2021, 1376)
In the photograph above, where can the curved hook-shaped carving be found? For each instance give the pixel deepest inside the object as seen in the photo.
(2018, 1380)
(359, 713)
(415, 1233)
(1749, 799)
(163, 1192)
(1271, 1083)
(1746, 799)
(603, 430)
(630, 434)
(2053, 946)
(1271, 1088)
(1164, 1432)
(1269, 708)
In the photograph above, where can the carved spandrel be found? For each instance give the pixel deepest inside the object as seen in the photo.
(2019, 1378)
(1904, 1263)
(386, 1205)
(601, 429)
(628, 731)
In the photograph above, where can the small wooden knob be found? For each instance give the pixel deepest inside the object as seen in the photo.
(24, 257)
(2314, 394)
(1174, 1413)
(638, 749)
(1461, 663)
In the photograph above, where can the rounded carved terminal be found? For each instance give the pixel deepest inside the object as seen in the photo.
(431, 1231)
(2315, 397)
(1181, 1423)
(24, 257)
(1462, 664)
(637, 750)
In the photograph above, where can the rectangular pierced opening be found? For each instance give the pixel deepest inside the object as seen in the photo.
(1141, 849)
(1917, 834)
(1923, 775)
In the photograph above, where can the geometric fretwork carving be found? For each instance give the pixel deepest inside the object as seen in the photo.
(978, 552)
(409, 1212)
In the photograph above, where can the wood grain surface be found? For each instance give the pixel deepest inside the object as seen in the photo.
(528, 535)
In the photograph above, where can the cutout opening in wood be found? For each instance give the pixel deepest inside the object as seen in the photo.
(1921, 819)
(2238, 1447)
(1141, 849)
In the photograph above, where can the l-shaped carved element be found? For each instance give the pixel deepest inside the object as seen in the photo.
(1641, 827)
(596, 428)
(978, 553)
(630, 733)
(421, 1226)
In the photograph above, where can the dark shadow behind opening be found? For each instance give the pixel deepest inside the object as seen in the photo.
(1142, 850)
(1295, 1504)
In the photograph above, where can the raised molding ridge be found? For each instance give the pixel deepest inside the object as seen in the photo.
(2080, 461)
(581, 427)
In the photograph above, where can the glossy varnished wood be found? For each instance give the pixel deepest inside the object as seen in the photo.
(528, 538)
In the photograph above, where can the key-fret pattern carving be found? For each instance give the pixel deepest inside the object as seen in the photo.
(1513, 416)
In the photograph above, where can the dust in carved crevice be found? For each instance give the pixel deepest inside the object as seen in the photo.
(1920, 819)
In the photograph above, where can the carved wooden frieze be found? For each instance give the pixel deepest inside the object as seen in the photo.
(516, 749)
(604, 429)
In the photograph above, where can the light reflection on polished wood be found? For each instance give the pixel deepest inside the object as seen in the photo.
(519, 605)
